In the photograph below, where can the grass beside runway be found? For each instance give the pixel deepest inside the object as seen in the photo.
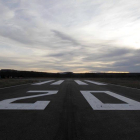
(128, 82)
(14, 82)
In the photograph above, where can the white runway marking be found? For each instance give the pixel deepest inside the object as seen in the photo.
(96, 104)
(80, 82)
(97, 83)
(41, 83)
(58, 82)
(38, 105)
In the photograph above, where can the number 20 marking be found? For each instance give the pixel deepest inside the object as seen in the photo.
(95, 103)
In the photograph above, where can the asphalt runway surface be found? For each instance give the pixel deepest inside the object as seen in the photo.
(69, 109)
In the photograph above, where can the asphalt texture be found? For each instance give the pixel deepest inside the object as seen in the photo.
(69, 116)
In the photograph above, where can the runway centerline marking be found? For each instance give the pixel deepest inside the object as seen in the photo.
(96, 104)
(41, 83)
(58, 82)
(80, 82)
(38, 105)
(93, 82)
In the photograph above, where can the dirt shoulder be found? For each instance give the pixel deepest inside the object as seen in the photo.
(14, 82)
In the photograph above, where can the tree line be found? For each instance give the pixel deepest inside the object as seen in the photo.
(8, 73)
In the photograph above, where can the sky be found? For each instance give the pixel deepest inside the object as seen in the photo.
(70, 35)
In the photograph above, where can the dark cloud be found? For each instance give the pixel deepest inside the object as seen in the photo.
(105, 54)
(132, 61)
(116, 59)
(16, 34)
(66, 55)
(65, 37)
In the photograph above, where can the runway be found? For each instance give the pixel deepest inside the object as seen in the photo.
(69, 109)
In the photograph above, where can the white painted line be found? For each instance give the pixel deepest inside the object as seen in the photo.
(38, 105)
(41, 83)
(80, 82)
(97, 83)
(58, 82)
(96, 104)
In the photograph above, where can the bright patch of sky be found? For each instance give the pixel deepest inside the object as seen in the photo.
(70, 35)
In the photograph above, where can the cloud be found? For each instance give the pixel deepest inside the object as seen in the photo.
(65, 37)
(70, 35)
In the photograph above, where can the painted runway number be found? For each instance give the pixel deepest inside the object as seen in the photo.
(96, 104)
(38, 105)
